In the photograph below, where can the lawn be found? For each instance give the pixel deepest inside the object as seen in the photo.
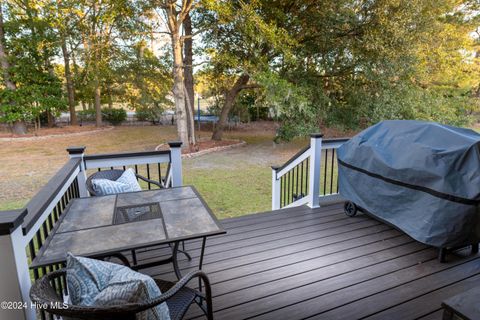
(233, 182)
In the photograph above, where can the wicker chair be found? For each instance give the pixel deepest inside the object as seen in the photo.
(178, 297)
(114, 175)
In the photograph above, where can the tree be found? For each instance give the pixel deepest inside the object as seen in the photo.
(348, 63)
(143, 80)
(19, 126)
(175, 15)
(31, 45)
(241, 44)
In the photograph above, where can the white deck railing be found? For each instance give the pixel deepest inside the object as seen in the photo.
(309, 177)
(23, 231)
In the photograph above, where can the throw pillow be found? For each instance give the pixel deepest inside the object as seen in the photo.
(129, 178)
(104, 187)
(93, 282)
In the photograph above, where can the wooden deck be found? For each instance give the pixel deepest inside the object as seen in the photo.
(319, 264)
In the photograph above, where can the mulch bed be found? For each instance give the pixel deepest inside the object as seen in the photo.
(202, 146)
(60, 130)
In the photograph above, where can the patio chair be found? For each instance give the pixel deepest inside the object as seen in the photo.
(178, 297)
(114, 175)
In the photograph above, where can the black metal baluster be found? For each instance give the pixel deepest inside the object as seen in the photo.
(45, 229)
(77, 188)
(284, 177)
(50, 222)
(54, 283)
(281, 198)
(325, 173)
(301, 179)
(124, 168)
(333, 169)
(307, 177)
(296, 183)
(74, 188)
(148, 176)
(64, 279)
(33, 254)
(58, 282)
(159, 173)
(39, 244)
(63, 205)
(285, 189)
(290, 182)
(69, 193)
(287, 184)
(58, 211)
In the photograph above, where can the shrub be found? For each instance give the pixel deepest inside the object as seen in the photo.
(86, 115)
(145, 114)
(114, 116)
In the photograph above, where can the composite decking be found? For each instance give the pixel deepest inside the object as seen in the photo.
(301, 263)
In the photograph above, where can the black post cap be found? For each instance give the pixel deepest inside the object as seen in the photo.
(76, 150)
(275, 168)
(316, 135)
(175, 144)
(10, 220)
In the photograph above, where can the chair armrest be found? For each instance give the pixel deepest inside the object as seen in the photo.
(179, 285)
(42, 291)
(158, 184)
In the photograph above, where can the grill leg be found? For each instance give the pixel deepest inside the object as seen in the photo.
(475, 248)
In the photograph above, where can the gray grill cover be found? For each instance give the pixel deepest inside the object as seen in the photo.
(421, 177)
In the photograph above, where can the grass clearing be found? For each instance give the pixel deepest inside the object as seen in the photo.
(233, 182)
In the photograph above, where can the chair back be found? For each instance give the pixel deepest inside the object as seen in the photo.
(43, 293)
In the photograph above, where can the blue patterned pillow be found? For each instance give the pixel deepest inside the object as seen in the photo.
(97, 283)
(103, 187)
(129, 178)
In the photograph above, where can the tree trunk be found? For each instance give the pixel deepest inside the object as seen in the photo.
(98, 105)
(50, 119)
(178, 89)
(68, 78)
(188, 69)
(188, 61)
(19, 126)
(110, 100)
(191, 122)
(229, 101)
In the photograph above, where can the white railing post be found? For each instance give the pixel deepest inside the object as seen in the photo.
(176, 163)
(14, 271)
(275, 189)
(315, 165)
(79, 152)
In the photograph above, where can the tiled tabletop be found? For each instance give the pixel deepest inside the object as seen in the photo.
(87, 227)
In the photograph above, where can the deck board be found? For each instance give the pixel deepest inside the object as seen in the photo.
(303, 263)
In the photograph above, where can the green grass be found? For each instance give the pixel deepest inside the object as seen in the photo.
(232, 193)
(13, 204)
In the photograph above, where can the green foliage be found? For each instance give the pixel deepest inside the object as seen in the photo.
(114, 116)
(31, 46)
(335, 62)
(148, 114)
(86, 115)
(349, 63)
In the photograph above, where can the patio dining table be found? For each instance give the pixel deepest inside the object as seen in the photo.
(109, 225)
